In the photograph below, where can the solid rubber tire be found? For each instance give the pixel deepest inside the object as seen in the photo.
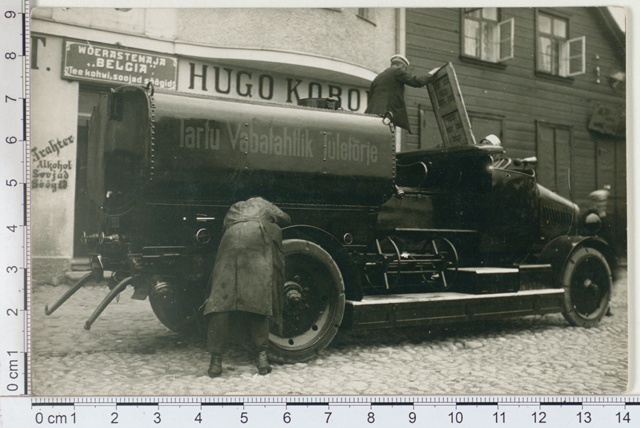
(601, 273)
(290, 350)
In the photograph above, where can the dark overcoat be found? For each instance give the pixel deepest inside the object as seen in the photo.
(249, 270)
(387, 94)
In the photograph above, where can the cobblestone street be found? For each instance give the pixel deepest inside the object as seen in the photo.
(129, 353)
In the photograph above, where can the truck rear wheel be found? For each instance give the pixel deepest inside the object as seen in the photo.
(170, 304)
(587, 283)
(313, 303)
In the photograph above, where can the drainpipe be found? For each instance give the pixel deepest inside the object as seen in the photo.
(401, 48)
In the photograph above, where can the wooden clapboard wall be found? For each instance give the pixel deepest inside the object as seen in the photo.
(532, 113)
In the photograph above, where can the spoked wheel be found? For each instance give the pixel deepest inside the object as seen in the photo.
(587, 283)
(313, 303)
(447, 265)
(385, 275)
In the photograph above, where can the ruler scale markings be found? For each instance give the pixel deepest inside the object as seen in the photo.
(484, 416)
(26, 372)
(24, 33)
(391, 404)
(215, 404)
(24, 122)
(136, 404)
(295, 403)
(26, 204)
(562, 403)
(14, 367)
(55, 404)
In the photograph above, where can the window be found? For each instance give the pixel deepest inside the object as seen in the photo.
(486, 124)
(553, 144)
(366, 14)
(556, 54)
(486, 38)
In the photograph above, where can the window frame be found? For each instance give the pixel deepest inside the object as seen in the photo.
(366, 14)
(497, 37)
(567, 57)
(511, 41)
(562, 59)
(498, 118)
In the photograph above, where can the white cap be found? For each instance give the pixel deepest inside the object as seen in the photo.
(399, 58)
(491, 139)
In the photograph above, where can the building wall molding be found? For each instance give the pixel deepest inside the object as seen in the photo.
(276, 61)
(133, 40)
(281, 62)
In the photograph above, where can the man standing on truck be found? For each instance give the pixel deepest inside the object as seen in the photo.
(386, 95)
(247, 279)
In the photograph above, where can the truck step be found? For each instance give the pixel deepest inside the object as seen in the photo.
(415, 309)
(483, 280)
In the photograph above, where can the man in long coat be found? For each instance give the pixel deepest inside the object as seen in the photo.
(248, 277)
(387, 91)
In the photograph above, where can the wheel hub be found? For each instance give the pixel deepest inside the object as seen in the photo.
(293, 291)
(299, 315)
(590, 285)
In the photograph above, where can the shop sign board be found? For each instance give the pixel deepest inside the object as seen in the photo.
(231, 81)
(609, 119)
(83, 60)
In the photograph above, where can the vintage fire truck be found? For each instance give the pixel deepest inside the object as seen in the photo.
(458, 233)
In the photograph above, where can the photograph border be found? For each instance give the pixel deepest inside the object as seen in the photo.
(634, 335)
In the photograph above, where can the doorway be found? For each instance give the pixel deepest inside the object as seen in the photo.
(611, 161)
(86, 212)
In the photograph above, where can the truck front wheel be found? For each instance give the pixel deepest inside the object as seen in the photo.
(313, 302)
(587, 283)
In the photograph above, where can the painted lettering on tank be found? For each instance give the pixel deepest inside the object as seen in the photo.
(276, 141)
(283, 141)
(199, 137)
(351, 149)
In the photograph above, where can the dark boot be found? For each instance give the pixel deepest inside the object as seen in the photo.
(215, 366)
(263, 363)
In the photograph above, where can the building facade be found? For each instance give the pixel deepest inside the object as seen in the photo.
(549, 82)
(271, 55)
(284, 55)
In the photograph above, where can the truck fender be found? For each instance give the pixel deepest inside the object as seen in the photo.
(557, 252)
(348, 265)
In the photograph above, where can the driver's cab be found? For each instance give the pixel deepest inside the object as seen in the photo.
(465, 186)
(523, 166)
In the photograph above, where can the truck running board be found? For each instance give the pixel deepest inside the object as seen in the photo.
(404, 310)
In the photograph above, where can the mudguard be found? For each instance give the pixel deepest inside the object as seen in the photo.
(351, 273)
(558, 251)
